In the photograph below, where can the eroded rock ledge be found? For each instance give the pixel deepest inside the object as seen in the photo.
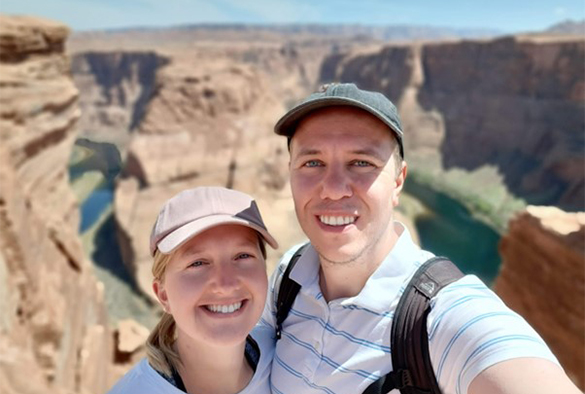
(54, 331)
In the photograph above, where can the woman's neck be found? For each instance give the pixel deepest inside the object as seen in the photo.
(213, 370)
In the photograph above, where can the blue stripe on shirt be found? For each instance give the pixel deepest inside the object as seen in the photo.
(338, 367)
(461, 331)
(333, 330)
(489, 343)
(359, 308)
(452, 306)
(299, 375)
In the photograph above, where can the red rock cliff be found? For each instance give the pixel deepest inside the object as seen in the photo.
(54, 332)
(516, 103)
(542, 277)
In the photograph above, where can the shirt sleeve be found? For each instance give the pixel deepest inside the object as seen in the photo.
(470, 329)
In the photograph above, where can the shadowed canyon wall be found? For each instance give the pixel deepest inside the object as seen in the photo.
(542, 277)
(516, 103)
(54, 331)
(116, 86)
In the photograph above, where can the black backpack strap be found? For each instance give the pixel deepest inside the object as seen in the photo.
(287, 291)
(412, 369)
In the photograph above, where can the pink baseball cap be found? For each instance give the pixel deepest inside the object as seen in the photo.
(195, 210)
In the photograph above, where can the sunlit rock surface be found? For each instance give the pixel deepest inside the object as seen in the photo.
(542, 277)
(54, 331)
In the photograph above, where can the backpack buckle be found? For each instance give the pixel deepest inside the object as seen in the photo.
(401, 378)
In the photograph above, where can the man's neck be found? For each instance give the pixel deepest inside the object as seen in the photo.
(348, 279)
(207, 369)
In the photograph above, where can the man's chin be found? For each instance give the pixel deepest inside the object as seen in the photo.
(342, 255)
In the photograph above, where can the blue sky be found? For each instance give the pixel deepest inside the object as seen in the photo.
(505, 15)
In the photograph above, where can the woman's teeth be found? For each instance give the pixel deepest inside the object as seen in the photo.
(337, 220)
(224, 308)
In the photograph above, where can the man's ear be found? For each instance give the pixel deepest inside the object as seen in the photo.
(161, 293)
(399, 183)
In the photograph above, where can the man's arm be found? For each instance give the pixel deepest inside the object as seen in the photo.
(523, 375)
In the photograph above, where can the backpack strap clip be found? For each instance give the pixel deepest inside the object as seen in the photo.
(400, 378)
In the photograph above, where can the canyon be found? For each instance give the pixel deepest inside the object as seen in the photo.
(491, 121)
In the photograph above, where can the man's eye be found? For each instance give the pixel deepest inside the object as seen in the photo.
(243, 256)
(312, 163)
(361, 163)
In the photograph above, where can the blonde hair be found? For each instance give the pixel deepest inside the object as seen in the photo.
(159, 345)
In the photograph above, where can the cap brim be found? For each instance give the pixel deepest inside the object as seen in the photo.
(286, 125)
(191, 229)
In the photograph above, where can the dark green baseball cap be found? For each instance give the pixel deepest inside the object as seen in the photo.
(347, 94)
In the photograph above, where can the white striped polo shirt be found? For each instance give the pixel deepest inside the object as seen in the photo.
(344, 345)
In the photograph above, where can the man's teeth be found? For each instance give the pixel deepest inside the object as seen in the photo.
(224, 308)
(337, 220)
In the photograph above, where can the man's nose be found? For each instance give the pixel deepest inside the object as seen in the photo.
(336, 183)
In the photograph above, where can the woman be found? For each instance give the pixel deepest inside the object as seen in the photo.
(209, 269)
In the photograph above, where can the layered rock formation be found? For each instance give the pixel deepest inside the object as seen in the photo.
(516, 103)
(209, 123)
(54, 331)
(542, 277)
(114, 86)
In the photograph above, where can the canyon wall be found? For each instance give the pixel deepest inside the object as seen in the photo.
(54, 332)
(115, 86)
(516, 103)
(209, 122)
(542, 277)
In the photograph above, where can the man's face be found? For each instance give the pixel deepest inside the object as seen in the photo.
(345, 184)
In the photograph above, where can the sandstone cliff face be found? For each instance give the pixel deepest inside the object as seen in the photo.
(208, 123)
(53, 328)
(516, 103)
(114, 88)
(542, 277)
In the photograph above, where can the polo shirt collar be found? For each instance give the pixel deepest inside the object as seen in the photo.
(306, 271)
(384, 284)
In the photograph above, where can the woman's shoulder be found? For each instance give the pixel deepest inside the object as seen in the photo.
(265, 340)
(143, 379)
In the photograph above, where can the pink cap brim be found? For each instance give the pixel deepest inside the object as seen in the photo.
(191, 229)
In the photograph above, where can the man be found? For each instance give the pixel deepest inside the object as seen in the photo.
(347, 172)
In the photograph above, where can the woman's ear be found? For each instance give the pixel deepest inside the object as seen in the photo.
(161, 293)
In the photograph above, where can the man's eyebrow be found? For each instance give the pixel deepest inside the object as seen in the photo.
(308, 152)
(368, 152)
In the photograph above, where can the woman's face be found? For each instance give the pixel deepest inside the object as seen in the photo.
(215, 285)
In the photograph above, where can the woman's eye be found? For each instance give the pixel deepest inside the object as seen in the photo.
(197, 263)
(243, 256)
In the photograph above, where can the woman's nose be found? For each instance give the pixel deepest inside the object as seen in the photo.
(226, 277)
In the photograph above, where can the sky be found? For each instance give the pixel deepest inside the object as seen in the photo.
(507, 16)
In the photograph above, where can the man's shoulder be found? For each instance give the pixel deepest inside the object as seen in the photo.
(287, 257)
